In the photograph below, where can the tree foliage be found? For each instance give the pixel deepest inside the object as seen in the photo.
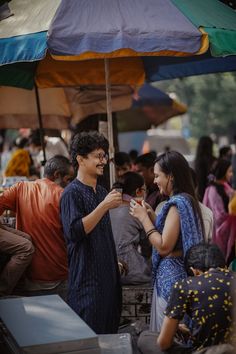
(211, 101)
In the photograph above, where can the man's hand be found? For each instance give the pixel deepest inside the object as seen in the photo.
(183, 333)
(184, 329)
(112, 200)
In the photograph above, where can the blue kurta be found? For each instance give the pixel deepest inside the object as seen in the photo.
(94, 282)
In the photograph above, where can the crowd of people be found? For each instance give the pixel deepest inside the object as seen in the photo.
(162, 223)
(215, 178)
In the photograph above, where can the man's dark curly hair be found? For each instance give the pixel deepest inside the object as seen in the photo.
(86, 142)
(203, 257)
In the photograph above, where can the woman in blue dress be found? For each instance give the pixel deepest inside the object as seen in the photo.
(177, 227)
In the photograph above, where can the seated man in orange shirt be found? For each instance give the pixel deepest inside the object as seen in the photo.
(36, 205)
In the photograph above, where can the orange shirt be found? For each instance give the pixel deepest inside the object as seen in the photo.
(37, 213)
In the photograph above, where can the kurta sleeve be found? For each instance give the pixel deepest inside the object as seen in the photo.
(8, 200)
(72, 213)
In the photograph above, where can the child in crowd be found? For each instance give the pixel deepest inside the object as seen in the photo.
(132, 245)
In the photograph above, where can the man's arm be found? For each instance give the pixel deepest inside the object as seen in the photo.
(75, 224)
(112, 200)
(168, 330)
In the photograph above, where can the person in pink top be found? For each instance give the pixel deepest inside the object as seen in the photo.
(217, 196)
(36, 205)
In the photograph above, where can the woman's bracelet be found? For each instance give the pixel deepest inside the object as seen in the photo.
(148, 233)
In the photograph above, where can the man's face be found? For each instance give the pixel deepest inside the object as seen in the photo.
(147, 173)
(93, 164)
(121, 170)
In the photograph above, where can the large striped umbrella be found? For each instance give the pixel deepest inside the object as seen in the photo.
(127, 34)
(146, 39)
(88, 30)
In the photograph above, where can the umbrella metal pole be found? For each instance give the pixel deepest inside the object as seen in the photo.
(41, 130)
(109, 123)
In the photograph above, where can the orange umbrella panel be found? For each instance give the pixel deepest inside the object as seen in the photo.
(123, 71)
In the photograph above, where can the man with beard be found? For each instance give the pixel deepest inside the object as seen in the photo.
(94, 291)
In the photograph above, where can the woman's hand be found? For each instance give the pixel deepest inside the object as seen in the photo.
(138, 211)
(150, 211)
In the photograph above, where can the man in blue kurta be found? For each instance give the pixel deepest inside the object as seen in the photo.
(94, 290)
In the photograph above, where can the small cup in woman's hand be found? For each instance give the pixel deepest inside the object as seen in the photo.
(120, 190)
(132, 203)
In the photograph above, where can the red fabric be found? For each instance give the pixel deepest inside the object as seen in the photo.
(37, 213)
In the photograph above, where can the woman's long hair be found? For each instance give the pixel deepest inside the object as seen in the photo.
(204, 147)
(219, 172)
(172, 163)
(203, 163)
(203, 257)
